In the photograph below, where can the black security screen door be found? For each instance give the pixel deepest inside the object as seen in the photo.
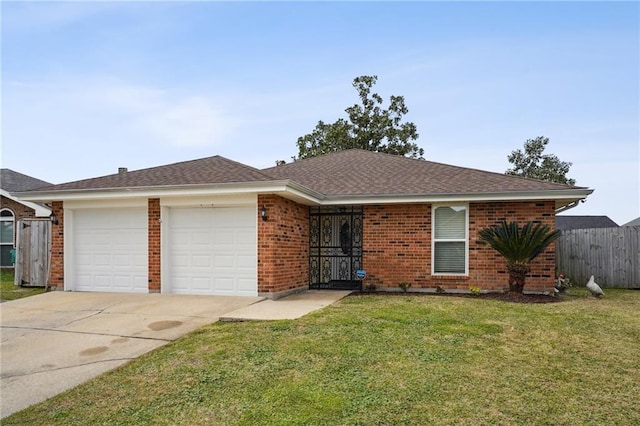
(335, 247)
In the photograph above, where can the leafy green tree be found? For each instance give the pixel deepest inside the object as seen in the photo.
(519, 246)
(533, 164)
(369, 126)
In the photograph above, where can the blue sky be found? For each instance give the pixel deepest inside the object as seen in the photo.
(88, 87)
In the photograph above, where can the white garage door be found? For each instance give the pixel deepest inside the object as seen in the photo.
(110, 250)
(213, 251)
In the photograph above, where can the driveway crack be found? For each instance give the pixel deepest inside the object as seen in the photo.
(85, 332)
(10, 376)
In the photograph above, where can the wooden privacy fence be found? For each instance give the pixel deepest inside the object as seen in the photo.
(611, 255)
(32, 252)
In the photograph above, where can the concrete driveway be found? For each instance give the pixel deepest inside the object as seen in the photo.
(54, 341)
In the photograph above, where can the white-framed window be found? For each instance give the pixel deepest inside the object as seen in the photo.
(450, 240)
(7, 226)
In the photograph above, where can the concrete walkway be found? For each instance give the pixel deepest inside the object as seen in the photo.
(55, 341)
(290, 307)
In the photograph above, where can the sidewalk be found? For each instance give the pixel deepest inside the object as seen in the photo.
(290, 307)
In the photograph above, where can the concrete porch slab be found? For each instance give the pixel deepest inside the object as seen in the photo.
(290, 307)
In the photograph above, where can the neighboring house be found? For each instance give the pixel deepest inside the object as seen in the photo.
(12, 209)
(634, 222)
(215, 226)
(566, 223)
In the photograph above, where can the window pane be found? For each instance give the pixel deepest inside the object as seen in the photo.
(5, 256)
(449, 257)
(6, 232)
(450, 222)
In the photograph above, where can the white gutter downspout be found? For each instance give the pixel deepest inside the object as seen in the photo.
(568, 206)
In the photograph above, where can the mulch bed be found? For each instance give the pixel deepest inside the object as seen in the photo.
(505, 297)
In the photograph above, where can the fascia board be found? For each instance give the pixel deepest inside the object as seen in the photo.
(162, 191)
(286, 188)
(299, 193)
(568, 195)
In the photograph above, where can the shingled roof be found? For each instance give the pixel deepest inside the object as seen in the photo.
(211, 170)
(634, 222)
(347, 176)
(12, 181)
(361, 172)
(565, 223)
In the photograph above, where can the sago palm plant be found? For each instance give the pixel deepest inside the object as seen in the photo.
(519, 246)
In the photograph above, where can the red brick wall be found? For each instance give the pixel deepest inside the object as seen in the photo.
(283, 245)
(19, 210)
(397, 247)
(486, 266)
(153, 246)
(397, 244)
(56, 277)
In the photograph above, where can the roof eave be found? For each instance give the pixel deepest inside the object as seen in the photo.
(294, 191)
(40, 210)
(562, 197)
(286, 188)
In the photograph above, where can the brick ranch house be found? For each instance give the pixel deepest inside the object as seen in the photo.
(215, 226)
(13, 209)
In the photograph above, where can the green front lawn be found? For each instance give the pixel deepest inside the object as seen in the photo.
(8, 291)
(383, 360)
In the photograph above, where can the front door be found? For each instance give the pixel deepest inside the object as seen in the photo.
(335, 247)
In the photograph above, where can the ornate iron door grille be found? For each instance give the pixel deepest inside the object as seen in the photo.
(335, 247)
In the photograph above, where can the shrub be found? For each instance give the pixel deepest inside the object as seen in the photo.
(475, 290)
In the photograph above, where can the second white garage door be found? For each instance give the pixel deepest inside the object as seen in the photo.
(213, 251)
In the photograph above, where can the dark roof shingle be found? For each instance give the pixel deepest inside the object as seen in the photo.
(12, 181)
(634, 222)
(209, 170)
(350, 173)
(361, 172)
(565, 223)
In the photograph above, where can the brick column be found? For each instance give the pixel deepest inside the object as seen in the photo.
(154, 257)
(56, 268)
(283, 246)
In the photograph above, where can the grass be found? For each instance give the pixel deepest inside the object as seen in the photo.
(383, 360)
(9, 291)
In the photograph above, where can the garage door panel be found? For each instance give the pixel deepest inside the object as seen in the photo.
(110, 250)
(122, 281)
(246, 237)
(140, 260)
(246, 262)
(246, 285)
(226, 285)
(201, 261)
(180, 237)
(180, 261)
(201, 283)
(179, 285)
(222, 246)
(202, 238)
(101, 260)
(109, 218)
(224, 261)
(98, 238)
(83, 260)
(224, 238)
(102, 281)
(121, 260)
